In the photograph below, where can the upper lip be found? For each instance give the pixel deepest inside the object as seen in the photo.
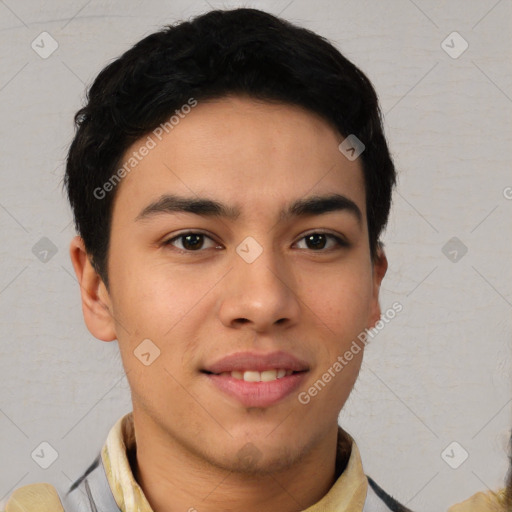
(258, 362)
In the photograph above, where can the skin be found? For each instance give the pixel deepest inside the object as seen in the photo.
(208, 303)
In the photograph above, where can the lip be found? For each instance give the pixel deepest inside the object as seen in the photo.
(257, 394)
(240, 361)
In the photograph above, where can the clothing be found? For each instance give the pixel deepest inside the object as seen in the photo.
(108, 485)
(483, 502)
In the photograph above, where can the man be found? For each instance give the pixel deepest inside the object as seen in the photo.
(230, 181)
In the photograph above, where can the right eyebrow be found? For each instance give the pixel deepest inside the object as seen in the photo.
(170, 203)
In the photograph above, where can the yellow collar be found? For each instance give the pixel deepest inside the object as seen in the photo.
(347, 494)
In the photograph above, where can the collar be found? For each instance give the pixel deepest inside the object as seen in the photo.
(348, 494)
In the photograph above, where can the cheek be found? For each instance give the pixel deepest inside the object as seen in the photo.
(157, 303)
(150, 337)
(151, 299)
(341, 301)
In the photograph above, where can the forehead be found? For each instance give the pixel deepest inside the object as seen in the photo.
(251, 154)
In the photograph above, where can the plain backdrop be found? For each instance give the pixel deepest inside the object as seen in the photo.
(435, 384)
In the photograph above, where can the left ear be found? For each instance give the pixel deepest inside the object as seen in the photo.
(380, 266)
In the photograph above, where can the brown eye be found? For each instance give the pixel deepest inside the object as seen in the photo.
(317, 241)
(190, 241)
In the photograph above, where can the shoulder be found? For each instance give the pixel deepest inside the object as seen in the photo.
(34, 498)
(483, 502)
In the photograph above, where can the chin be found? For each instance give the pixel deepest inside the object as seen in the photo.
(250, 460)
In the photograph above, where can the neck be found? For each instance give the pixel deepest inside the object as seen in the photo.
(173, 479)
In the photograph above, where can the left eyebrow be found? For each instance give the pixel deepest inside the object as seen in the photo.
(318, 205)
(313, 205)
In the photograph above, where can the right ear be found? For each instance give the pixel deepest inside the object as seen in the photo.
(96, 302)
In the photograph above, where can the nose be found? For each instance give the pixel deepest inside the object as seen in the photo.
(261, 294)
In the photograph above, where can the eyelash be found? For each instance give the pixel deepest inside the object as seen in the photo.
(339, 241)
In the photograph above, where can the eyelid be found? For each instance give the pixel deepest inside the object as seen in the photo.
(339, 236)
(182, 234)
(339, 239)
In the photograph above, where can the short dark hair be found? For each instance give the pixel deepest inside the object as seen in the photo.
(222, 52)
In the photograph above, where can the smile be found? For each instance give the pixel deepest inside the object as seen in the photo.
(256, 376)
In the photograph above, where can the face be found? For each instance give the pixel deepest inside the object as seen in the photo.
(261, 291)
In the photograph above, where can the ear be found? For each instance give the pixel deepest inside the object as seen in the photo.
(96, 303)
(380, 266)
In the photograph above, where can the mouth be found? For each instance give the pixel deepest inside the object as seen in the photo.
(257, 380)
(255, 375)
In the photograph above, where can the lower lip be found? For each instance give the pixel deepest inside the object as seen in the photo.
(258, 394)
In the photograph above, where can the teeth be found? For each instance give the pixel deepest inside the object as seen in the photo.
(254, 376)
(268, 375)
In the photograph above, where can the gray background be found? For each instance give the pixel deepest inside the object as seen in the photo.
(438, 373)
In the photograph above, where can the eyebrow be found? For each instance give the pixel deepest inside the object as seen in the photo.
(313, 205)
